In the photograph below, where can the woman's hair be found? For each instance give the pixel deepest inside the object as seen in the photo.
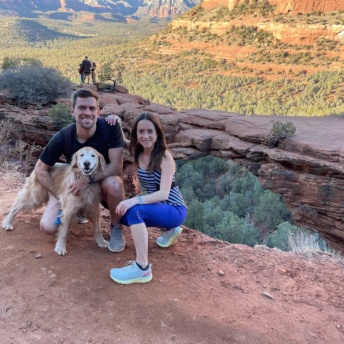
(160, 145)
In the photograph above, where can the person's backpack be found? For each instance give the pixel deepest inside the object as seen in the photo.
(68, 136)
(80, 70)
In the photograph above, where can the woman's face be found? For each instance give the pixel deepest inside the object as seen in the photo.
(146, 134)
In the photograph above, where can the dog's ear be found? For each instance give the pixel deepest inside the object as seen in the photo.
(102, 163)
(74, 162)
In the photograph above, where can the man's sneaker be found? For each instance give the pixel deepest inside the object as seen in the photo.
(169, 237)
(131, 273)
(82, 219)
(117, 242)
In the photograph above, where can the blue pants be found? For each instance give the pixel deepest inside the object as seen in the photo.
(155, 215)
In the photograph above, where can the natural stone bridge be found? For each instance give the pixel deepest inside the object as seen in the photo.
(306, 169)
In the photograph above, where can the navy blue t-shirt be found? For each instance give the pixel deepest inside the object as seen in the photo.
(101, 141)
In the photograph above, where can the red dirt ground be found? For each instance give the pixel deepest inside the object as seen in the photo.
(203, 290)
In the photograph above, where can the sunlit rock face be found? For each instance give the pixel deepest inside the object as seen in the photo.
(296, 6)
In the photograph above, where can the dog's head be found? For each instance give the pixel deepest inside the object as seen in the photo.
(88, 161)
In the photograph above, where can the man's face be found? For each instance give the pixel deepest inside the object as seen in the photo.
(86, 112)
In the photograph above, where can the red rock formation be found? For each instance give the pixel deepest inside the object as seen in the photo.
(284, 6)
(298, 34)
(306, 169)
(210, 4)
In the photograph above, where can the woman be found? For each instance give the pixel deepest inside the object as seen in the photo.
(162, 206)
(93, 72)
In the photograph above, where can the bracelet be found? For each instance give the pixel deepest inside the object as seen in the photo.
(92, 179)
(140, 199)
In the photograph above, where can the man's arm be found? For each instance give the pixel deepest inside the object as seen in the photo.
(114, 168)
(42, 172)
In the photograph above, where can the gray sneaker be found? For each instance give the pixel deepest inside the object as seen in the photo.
(117, 242)
(169, 237)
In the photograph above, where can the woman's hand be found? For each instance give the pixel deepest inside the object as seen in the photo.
(123, 206)
(113, 119)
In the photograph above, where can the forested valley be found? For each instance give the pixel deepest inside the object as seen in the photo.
(307, 82)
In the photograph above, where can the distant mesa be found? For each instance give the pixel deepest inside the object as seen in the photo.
(62, 16)
(125, 8)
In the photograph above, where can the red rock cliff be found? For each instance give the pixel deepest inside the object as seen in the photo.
(285, 6)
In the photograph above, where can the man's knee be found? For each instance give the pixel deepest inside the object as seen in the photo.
(112, 185)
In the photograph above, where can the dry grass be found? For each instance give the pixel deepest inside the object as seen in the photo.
(7, 128)
(308, 244)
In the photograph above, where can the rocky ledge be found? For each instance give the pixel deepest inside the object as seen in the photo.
(306, 169)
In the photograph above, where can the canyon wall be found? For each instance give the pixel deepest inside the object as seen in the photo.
(284, 6)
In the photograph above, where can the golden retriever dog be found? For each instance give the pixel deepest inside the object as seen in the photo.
(85, 162)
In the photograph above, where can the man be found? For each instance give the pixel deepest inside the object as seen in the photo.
(86, 66)
(88, 130)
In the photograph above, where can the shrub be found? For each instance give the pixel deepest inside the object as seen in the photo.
(280, 131)
(60, 115)
(34, 84)
(280, 237)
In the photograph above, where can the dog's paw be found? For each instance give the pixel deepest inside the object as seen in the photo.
(7, 226)
(102, 242)
(60, 249)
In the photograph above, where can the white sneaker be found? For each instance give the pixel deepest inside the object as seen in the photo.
(131, 273)
(169, 237)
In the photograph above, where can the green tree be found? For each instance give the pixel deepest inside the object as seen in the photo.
(236, 230)
(269, 213)
(195, 217)
(114, 74)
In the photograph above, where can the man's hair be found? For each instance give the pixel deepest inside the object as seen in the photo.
(84, 93)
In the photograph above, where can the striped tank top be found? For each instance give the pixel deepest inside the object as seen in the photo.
(151, 183)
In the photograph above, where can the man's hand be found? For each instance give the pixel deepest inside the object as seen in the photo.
(77, 187)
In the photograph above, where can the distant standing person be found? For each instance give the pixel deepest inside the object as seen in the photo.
(86, 66)
(93, 72)
(81, 72)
